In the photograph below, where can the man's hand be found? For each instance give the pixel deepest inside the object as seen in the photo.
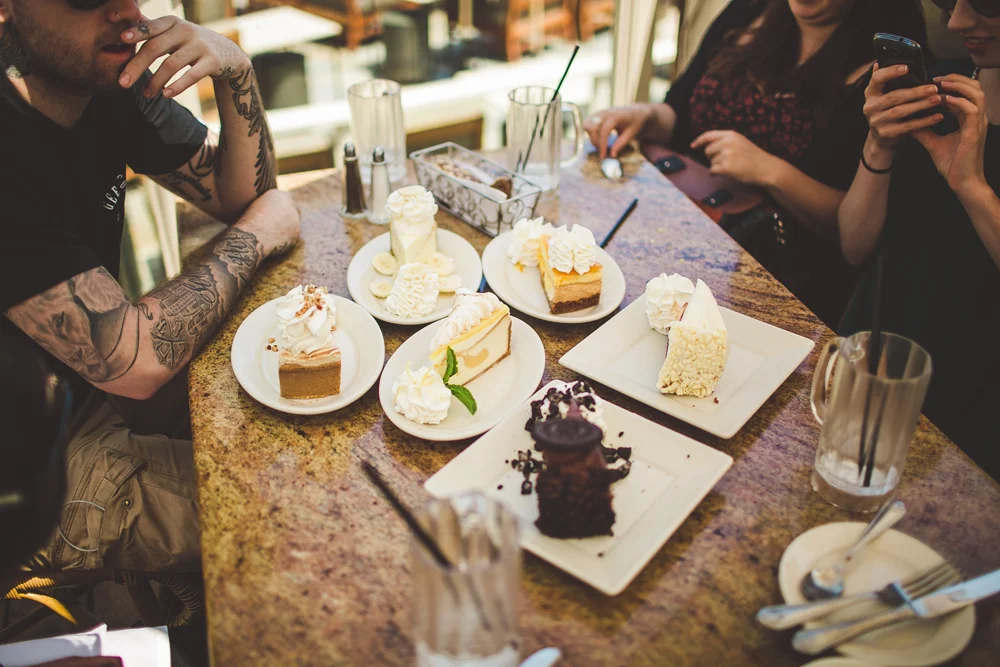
(737, 157)
(959, 156)
(274, 220)
(207, 52)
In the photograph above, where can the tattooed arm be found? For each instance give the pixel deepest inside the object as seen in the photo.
(231, 170)
(133, 349)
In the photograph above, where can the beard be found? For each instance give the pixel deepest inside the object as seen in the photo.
(28, 49)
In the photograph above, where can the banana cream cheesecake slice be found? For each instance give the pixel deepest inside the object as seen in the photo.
(478, 331)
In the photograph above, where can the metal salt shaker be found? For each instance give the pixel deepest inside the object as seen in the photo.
(379, 188)
(354, 189)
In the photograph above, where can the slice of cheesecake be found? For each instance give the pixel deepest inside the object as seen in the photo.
(309, 375)
(697, 348)
(568, 291)
(412, 227)
(478, 331)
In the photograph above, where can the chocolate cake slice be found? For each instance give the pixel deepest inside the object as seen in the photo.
(574, 487)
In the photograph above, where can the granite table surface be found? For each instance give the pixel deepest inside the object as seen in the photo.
(305, 564)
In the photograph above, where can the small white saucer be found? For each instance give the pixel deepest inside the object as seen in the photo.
(521, 287)
(892, 557)
(362, 350)
(498, 392)
(360, 274)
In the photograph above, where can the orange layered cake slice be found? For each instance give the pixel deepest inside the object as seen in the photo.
(477, 331)
(309, 362)
(571, 275)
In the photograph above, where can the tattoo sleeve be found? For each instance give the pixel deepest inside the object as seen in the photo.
(189, 182)
(87, 323)
(246, 98)
(193, 304)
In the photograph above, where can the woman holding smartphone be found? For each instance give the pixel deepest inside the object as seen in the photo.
(771, 99)
(928, 205)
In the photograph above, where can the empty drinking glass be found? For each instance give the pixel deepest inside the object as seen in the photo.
(377, 120)
(868, 420)
(535, 134)
(467, 614)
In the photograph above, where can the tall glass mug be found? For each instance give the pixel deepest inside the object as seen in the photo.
(848, 400)
(377, 120)
(466, 615)
(535, 134)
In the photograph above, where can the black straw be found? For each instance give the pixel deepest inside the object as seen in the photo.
(521, 163)
(621, 221)
(866, 456)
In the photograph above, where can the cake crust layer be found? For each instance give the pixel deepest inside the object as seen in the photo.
(560, 307)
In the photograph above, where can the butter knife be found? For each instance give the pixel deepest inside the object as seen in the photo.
(942, 602)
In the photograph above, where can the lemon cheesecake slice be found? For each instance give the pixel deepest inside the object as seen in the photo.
(477, 331)
(571, 275)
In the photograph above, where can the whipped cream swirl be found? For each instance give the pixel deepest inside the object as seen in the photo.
(527, 235)
(306, 319)
(666, 298)
(415, 291)
(412, 208)
(469, 309)
(572, 249)
(421, 396)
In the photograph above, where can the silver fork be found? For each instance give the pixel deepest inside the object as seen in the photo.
(784, 616)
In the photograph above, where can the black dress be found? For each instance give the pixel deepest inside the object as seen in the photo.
(825, 147)
(941, 289)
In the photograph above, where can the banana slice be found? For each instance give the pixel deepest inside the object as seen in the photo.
(384, 263)
(450, 283)
(442, 264)
(380, 287)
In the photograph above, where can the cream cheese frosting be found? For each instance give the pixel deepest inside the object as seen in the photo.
(306, 320)
(527, 234)
(572, 249)
(666, 298)
(421, 396)
(469, 309)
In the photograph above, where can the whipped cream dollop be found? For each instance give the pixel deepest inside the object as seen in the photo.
(415, 291)
(666, 298)
(527, 235)
(421, 396)
(469, 309)
(412, 208)
(572, 249)
(306, 319)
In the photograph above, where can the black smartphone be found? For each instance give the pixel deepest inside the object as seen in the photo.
(891, 50)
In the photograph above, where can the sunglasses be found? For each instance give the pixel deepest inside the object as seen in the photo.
(988, 8)
(85, 5)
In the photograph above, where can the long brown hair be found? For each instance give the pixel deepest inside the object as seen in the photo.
(769, 57)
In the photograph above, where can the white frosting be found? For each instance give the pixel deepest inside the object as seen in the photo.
(572, 249)
(702, 311)
(415, 291)
(666, 297)
(469, 309)
(412, 208)
(306, 319)
(698, 348)
(421, 396)
(527, 234)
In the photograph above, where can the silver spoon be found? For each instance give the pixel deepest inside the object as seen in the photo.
(543, 658)
(612, 169)
(828, 581)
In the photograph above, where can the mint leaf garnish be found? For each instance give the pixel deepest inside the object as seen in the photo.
(452, 366)
(464, 397)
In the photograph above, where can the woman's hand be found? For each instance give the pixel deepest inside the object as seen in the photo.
(737, 157)
(627, 121)
(889, 113)
(959, 155)
(207, 52)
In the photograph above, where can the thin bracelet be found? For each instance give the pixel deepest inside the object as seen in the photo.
(872, 169)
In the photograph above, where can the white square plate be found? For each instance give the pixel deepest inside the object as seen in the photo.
(671, 474)
(626, 355)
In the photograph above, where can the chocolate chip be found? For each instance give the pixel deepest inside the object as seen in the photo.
(526, 487)
(499, 486)
(625, 452)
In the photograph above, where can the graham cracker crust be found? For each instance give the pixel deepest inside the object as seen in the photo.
(571, 306)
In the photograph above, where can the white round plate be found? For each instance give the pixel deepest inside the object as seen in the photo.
(838, 662)
(521, 287)
(498, 392)
(892, 557)
(360, 274)
(362, 353)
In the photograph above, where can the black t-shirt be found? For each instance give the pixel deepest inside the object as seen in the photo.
(941, 289)
(62, 191)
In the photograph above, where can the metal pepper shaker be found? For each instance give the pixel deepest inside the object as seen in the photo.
(354, 189)
(379, 188)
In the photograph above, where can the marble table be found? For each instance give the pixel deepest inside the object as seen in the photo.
(305, 564)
